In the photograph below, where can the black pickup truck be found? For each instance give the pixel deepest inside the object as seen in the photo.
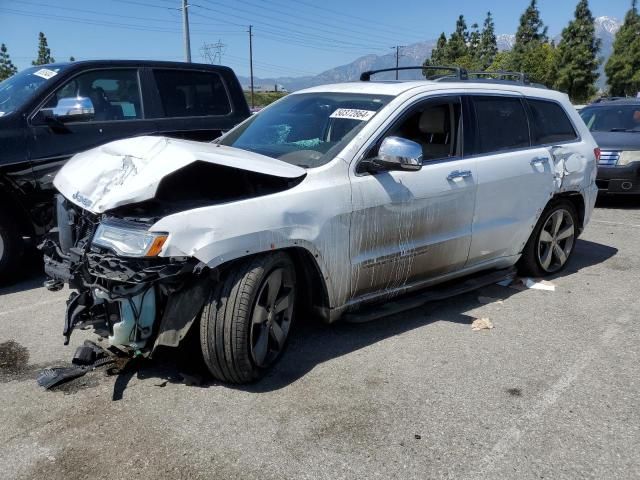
(50, 112)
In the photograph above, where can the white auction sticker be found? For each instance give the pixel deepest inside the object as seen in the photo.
(353, 114)
(45, 73)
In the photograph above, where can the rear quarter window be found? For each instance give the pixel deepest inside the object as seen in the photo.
(549, 123)
(501, 124)
(185, 93)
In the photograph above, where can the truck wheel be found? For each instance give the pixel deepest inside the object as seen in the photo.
(246, 322)
(552, 241)
(10, 248)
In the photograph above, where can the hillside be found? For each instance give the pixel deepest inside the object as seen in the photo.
(415, 54)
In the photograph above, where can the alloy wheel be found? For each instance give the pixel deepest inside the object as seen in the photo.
(272, 315)
(556, 240)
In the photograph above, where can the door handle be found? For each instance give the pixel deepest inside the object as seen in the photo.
(459, 174)
(539, 161)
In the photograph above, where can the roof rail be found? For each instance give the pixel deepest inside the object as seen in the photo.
(502, 75)
(458, 72)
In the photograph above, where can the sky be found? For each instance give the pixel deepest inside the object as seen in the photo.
(291, 37)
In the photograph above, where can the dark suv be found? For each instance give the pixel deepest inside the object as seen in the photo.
(615, 126)
(50, 112)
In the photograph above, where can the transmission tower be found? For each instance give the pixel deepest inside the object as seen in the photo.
(213, 52)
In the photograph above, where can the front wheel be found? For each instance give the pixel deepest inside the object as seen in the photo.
(552, 241)
(245, 325)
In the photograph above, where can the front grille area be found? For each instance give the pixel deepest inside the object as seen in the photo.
(609, 158)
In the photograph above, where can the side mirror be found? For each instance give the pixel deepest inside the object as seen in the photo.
(68, 110)
(398, 153)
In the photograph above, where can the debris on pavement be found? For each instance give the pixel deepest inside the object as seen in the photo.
(481, 324)
(536, 284)
(524, 283)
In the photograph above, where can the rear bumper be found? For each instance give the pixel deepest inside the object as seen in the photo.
(619, 180)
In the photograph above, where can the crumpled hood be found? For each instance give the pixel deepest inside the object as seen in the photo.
(129, 171)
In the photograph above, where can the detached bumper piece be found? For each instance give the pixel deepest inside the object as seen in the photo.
(88, 357)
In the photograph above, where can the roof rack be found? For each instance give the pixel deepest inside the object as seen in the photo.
(458, 72)
(519, 77)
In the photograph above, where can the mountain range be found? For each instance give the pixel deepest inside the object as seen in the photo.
(415, 54)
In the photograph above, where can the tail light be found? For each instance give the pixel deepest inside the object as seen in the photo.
(596, 152)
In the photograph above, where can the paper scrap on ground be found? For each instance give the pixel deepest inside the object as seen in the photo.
(539, 284)
(481, 324)
(486, 300)
(524, 283)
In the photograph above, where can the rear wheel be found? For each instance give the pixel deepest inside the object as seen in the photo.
(246, 323)
(11, 248)
(552, 241)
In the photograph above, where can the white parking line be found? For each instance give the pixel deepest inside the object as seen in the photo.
(512, 435)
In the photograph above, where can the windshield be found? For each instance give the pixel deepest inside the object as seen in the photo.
(612, 118)
(17, 90)
(307, 129)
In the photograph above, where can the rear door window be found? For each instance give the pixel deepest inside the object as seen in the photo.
(501, 124)
(549, 123)
(185, 93)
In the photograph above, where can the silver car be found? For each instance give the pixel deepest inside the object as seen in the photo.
(332, 200)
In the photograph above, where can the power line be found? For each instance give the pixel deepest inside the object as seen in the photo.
(303, 33)
(104, 23)
(365, 32)
(367, 21)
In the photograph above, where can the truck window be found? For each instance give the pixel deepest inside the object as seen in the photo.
(114, 94)
(549, 123)
(501, 124)
(185, 93)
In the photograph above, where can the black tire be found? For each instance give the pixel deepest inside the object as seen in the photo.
(11, 248)
(536, 252)
(232, 321)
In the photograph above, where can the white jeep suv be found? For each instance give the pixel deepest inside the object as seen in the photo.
(336, 198)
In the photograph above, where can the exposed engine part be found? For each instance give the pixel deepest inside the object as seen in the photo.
(137, 303)
(137, 316)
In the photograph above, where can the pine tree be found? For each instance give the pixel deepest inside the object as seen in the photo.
(44, 53)
(623, 67)
(457, 44)
(531, 28)
(577, 56)
(7, 68)
(532, 52)
(439, 53)
(488, 47)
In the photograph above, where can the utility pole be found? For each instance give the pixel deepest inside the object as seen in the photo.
(251, 61)
(398, 47)
(185, 31)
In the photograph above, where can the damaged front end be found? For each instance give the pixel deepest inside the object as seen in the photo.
(129, 294)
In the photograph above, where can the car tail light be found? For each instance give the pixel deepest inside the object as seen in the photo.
(596, 152)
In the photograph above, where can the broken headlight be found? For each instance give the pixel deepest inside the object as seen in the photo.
(129, 240)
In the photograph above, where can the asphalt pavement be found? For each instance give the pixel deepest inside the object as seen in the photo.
(552, 391)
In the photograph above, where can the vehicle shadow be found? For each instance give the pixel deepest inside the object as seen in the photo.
(619, 202)
(313, 343)
(29, 276)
